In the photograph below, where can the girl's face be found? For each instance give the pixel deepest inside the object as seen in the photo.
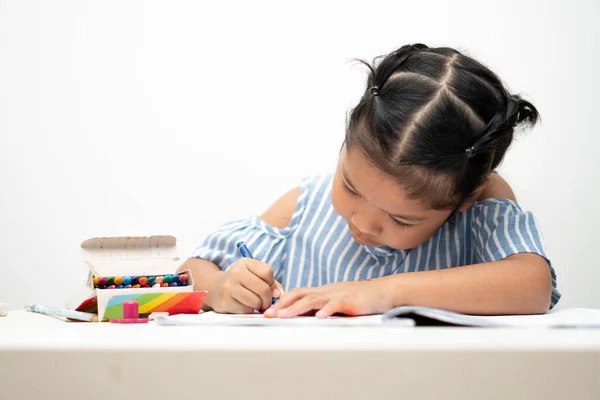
(376, 208)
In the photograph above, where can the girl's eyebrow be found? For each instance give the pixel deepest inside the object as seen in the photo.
(404, 217)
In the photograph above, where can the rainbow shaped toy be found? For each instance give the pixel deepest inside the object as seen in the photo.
(173, 303)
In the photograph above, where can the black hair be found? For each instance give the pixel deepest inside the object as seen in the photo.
(437, 121)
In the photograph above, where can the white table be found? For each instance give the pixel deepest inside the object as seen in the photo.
(42, 357)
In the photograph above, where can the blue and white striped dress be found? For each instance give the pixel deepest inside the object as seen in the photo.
(316, 247)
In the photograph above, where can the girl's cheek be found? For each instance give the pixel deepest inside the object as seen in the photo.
(339, 204)
(410, 238)
(397, 241)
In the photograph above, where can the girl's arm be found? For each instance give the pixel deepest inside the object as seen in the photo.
(208, 276)
(519, 284)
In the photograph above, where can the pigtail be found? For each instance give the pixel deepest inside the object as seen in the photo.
(384, 66)
(498, 133)
(392, 63)
(487, 152)
(498, 127)
(527, 114)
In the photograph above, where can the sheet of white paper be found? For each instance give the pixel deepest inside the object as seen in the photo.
(573, 317)
(212, 318)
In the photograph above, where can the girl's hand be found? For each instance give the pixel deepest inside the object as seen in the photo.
(246, 286)
(350, 298)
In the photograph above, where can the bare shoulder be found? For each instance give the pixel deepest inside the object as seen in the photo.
(280, 214)
(497, 187)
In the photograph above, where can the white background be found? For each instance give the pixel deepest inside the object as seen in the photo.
(130, 117)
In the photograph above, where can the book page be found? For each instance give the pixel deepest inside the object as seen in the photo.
(574, 317)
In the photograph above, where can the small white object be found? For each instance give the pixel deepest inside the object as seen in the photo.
(153, 316)
(3, 309)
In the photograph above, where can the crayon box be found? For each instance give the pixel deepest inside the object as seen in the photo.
(129, 256)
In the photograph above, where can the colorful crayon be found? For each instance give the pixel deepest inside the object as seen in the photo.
(119, 282)
(61, 312)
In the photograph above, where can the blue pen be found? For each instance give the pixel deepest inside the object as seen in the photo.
(244, 250)
(246, 253)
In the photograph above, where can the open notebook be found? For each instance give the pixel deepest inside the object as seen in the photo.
(401, 316)
(569, 318)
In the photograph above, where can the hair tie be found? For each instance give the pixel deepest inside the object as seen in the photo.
(470, 151)
(374, 90)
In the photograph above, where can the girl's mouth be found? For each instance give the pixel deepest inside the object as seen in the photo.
(359, 238)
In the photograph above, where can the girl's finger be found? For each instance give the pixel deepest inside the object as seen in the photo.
(277, 290)
(235, 307)
(290, 298)
(342, 306)
(333, 306)
(260, 288)
(247, 298)
(302, 306)
(260, 269)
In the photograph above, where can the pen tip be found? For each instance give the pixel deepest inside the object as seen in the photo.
(240, 244)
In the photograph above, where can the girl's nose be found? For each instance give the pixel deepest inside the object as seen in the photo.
(365, 224)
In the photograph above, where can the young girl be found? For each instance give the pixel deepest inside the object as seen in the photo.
(414, 198)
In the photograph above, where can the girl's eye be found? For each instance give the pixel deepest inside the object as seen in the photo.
(353, 193)
(400, 223)
(349, 191)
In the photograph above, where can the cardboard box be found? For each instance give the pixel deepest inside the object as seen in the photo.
(133, 256)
